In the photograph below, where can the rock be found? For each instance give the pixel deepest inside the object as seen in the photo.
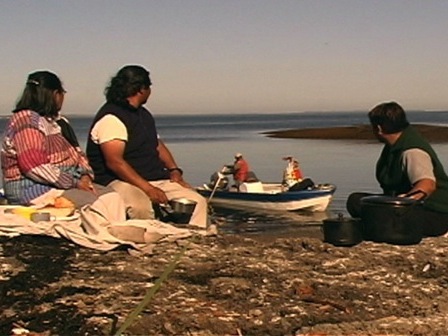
(226, 285)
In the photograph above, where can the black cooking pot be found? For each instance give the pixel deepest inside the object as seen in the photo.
(341, 231)
(392, 220)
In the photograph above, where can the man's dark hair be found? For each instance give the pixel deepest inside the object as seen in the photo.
(38, 94)
(128, 81)
(390, 116)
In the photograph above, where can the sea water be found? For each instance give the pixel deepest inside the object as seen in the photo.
(202, 144)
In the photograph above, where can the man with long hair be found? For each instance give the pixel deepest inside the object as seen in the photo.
(127, 154)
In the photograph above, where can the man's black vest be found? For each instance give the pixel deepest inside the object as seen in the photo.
(141, 147)
(394, 179)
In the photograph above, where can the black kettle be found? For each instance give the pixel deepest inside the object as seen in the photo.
(342, 231)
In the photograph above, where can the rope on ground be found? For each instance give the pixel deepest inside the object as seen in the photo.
(152, 291)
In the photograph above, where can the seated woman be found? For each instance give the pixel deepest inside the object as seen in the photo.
(39, 164)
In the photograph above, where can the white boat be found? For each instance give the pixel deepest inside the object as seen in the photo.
(270, 196)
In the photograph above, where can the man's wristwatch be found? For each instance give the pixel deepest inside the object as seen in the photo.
(176, 169)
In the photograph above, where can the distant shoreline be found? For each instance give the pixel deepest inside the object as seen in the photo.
(434, 134)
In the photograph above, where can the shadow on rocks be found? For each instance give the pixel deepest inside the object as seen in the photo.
(29, 265)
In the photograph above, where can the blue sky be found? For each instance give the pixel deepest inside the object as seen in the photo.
(214, 56)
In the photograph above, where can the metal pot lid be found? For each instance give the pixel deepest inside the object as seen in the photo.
(341, 219)
(182, 200)
(382, 199)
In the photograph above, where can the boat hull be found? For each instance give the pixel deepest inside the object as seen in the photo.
(273, 198)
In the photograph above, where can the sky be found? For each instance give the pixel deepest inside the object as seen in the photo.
(234, 56)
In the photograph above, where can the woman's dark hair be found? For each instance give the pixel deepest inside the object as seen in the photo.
(38, 94)
(390, 116)
(129, 81)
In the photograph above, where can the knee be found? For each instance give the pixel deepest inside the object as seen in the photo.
(141, 209)
(353, 204)
(201, 202)
(139, 206)
(354, 198)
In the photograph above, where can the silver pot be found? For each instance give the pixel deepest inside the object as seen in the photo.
(178, 210)
(182, 205)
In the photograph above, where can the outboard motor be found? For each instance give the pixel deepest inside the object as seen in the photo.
(223, 183)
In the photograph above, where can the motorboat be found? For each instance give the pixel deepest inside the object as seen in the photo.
(269, 196)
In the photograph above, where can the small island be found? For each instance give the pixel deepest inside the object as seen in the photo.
(434, 134)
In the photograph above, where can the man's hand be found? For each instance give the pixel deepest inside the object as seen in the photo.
(176, 176)
(85, 183)
(156, 195)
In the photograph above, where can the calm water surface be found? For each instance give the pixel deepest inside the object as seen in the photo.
(203, 144)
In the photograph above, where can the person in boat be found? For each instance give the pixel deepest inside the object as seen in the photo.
(240, 171)
(293, 178)
(39, 164)
(127, 154)
(407, 167)
(292, 173)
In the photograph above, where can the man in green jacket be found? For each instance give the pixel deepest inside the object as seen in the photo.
(407, 167)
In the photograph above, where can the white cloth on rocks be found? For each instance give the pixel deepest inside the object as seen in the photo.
(92, 230)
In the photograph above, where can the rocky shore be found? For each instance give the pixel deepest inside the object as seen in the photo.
(226, 285)
(230, 284)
